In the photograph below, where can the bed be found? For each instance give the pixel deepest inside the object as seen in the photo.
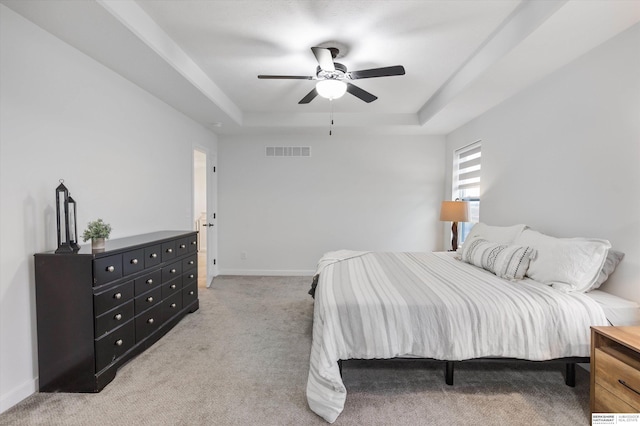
(386, 305)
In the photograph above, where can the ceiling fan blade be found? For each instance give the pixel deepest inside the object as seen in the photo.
(377, 72)
(310, 96)
(287, 77)
(360, 93)
(324, 58)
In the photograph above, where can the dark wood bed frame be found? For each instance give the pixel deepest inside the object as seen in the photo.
(570, 365)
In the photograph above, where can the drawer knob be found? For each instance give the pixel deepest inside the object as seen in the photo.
(183, 246)
(173, 305)
(134, 261)
(150, 299)
(117, 296)
(191, 293)
(191, 262)
(169, 250)
(150, 281)
(150, 320)
(191, 275)
(173, 271)
(119, 342)
(117, 317)
(172, 286)
(193, 243)
(110, 268)
(153, 255)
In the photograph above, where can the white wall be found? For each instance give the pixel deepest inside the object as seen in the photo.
(125, 156)
(366, 193)
(564, 155)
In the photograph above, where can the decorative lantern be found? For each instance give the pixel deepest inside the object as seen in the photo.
(73, 225)
(66, 220)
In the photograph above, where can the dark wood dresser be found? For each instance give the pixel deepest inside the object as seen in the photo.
(95, 311)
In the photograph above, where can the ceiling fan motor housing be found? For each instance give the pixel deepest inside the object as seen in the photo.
(339, 74)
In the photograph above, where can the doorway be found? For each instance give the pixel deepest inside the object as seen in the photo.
(204, 214)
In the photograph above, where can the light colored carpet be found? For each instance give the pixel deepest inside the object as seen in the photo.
(243, 358)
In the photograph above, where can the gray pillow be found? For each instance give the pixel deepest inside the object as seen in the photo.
(613, 258)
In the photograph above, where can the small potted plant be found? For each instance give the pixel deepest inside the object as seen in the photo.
(97, 231)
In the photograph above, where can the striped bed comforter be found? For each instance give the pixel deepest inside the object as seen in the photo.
(430, 305)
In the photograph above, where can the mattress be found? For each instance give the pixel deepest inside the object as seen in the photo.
(619, 311)
(372, 305)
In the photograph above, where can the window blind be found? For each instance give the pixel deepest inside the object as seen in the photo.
(466, 172)
(466, 182)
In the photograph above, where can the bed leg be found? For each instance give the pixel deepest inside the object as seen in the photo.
(448, 373)
(570, 377)
(340, 366)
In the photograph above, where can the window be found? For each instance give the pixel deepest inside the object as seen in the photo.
(466, 183)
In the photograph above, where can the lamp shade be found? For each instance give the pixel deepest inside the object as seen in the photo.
(331, 89)
(454, 211)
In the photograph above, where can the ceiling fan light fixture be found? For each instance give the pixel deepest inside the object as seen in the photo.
(331, 89)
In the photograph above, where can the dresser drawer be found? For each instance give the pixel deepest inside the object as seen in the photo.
(171, 305)
(133, 261)
(606, 402)
(189, 277)
(147, 300)
(109, 299)
(114, 345)
(193, 244)
(147, 282)
(182, 246)
(618, 377)
(171, 272)
(168, 250)
(189, 294)
(190, 262)
(107, 269)
(171, 287)
(152, 255)
(148, 322)
(114, 318)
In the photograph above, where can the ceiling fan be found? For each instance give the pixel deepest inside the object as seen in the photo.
(333, 77)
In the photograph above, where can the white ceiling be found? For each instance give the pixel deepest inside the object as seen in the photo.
(461, 57)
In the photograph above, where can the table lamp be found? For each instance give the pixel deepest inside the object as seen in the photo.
(454, 212)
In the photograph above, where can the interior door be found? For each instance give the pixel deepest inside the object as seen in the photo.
(212, 226)
(204, 197)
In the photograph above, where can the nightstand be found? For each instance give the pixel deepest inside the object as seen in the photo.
(615, 370)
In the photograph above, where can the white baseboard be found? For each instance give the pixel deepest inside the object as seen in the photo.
(19, 393)
(269, 272)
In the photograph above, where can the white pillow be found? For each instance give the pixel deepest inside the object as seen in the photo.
(504, 260)
(571, 264)
(497, 234)
(613, 258)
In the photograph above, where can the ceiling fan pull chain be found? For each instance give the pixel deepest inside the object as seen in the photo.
(331, 117)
